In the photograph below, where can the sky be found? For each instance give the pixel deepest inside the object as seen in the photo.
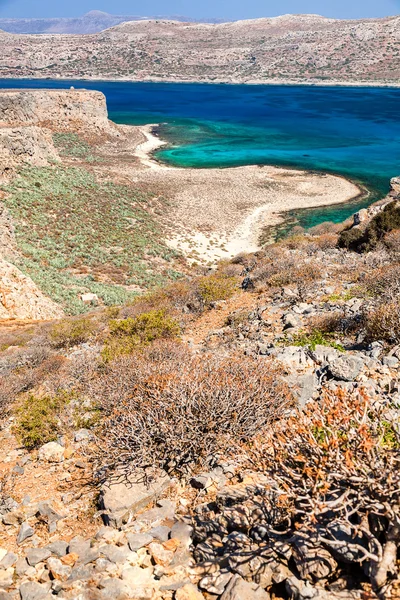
(229, 9)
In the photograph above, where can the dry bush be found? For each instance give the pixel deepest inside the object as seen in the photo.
(169, 409)
(383, 282)
(392, 243)
(326, 241)
(326, 228)
(337, 322)
(336, 472)
(382, 323)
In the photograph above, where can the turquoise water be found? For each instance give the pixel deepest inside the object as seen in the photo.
(354, 132)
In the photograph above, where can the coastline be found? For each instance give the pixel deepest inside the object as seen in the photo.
(218, 213)
(269, 82)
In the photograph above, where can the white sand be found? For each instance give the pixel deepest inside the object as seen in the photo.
(217, 213)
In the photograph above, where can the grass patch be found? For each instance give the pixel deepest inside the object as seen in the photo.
(315, 338)
(76, 235)
(70, 332)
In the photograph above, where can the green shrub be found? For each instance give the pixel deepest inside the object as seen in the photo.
(38, 420)
(315, 338)
(214, 288)
(365, 240)
(70, 332)
(126, 335)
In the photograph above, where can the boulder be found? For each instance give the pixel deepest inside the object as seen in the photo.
(239, 589)
(126, 496)
(346, 367)
(188, 592)
(52, 452)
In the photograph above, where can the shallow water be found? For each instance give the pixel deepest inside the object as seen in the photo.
(354, 132)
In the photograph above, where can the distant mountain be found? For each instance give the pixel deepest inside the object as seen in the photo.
(93, 22)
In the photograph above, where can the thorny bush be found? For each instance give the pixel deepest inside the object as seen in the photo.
(335, 468)
(169, 409)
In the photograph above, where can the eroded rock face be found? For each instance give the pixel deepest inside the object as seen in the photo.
(20, 298)
(30, 145)
(61, 109)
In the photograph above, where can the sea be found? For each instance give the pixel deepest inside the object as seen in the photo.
(350, 131)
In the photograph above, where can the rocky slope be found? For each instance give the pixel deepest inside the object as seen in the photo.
(289, 48)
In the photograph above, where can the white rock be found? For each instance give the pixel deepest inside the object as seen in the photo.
(52, 452)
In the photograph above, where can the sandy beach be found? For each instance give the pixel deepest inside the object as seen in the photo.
(217, 213)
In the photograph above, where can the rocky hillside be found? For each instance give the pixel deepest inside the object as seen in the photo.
(233, 436)
(72, 226)
(92, 22)
(290, 48)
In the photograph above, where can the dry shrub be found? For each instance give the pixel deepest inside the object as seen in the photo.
(336, 472)
(383, 283)
(326, 228)
(392, 243)
(382, 323)
(70, 332)
(326, 241)
(169, 409)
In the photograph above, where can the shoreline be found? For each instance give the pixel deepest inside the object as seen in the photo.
(256, 82)
(233, 198)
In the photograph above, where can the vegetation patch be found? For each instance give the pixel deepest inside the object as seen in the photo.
(38, 420)
(126, 335)
(76, 235)
(367, 239)
(70, 332)
(70, 144)
(315, 338)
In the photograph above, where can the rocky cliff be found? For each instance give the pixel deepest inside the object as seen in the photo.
(28, 120)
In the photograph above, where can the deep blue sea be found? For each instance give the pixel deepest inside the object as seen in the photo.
(354, 132)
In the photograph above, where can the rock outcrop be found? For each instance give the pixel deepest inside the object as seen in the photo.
(20, 298)
(55, 109)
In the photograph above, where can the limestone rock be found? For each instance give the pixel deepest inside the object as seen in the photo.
(239, 589)
(20, 298)
(52, 452)
(129, 495)
(346, 368)
(188, 592)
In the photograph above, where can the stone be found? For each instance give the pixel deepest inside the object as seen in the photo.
(136, 576)
(58, 570)
(82, 435)
(239, 589)
(160, 555)
(58, 547)
(8, 560)
(24, 533)
(37, 555)
(160, 533)
(346, 368)
(51, 452)
(115, 554)
(291, 321)
(34, 591)
(313, 562)
(216, 582)
(138, 540)
(188, 592)
(6, 577)
(3, 552)
(5, 596)
(165, 509)
(129, 495)
(390, 361)
(21, 567)
(182, 532)
(78, 545)
(114, 588)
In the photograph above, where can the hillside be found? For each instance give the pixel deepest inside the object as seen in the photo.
(228, 431)
(298, 48)
(92, 22)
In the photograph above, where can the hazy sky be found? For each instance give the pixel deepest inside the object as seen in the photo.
(230, 9)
